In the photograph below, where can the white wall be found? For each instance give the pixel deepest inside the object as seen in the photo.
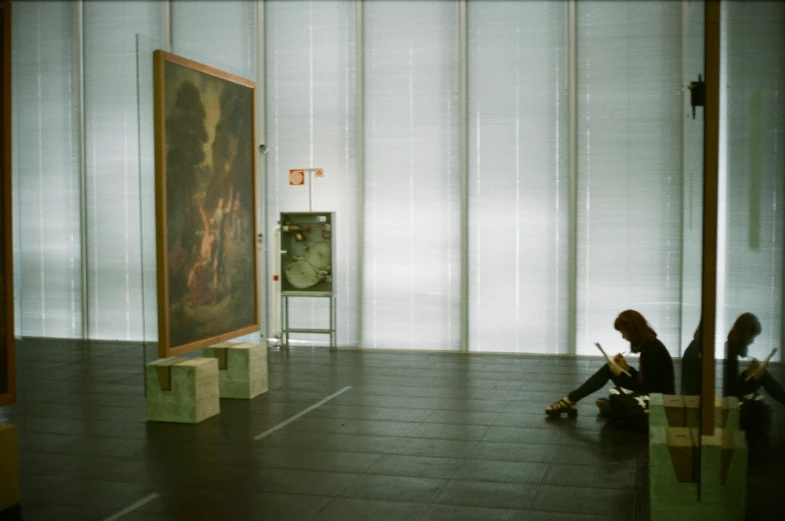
(76, 143)
(629, 169)
(518, 176)
(381, 114)
(311, 123)
(411, 242)
(46, 170)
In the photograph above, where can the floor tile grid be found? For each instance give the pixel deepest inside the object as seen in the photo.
(448, 411)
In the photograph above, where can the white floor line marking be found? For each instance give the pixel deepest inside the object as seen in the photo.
(301, 413)
(131, 508)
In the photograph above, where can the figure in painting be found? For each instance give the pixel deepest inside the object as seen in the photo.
(236, 218)
(218, 222)
(219, 207)
(199, 291)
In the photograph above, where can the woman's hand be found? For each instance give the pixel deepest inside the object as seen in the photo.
(755, 370)
(618, 365)
(621, 362)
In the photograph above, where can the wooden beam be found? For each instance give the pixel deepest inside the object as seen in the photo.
(7, 357)
(710, 193)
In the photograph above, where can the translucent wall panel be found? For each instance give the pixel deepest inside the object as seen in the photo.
(311, 123)
(629, 168)
(752, 170)
(223, 31)
(692, 167)
(411, 249)
(46, 151)
(518, 149)
(111, 163)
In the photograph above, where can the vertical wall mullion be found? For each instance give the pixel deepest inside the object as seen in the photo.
(572, 129)
(463, 168)
(359, 73)
(80, 100)
(166, 8)
(261, 195)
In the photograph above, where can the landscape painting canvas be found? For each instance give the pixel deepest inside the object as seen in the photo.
(205, 205)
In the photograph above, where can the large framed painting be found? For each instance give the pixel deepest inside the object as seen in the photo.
(7, 363)
(205, 191)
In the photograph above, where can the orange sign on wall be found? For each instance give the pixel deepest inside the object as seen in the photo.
(297, 177)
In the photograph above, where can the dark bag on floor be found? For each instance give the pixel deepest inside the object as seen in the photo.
(755, 414)
(630, 408)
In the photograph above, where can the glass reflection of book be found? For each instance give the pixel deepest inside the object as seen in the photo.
(762, 366)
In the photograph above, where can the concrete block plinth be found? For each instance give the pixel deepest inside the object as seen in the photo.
(182, 390)
(242, 368)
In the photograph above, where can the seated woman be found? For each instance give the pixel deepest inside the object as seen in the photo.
(741, 335)
(655, 374)
(691, 365)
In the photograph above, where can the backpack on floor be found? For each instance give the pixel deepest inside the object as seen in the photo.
(755, 414)
(630, 408)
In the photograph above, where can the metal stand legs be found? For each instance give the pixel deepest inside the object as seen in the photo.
(285, 329)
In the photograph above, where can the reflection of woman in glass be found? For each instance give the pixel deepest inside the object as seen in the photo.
(746, 384)
(655, 374)
(691, 364)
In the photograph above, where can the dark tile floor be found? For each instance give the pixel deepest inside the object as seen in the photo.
(418, 436)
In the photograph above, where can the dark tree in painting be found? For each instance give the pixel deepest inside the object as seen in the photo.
(186, 137)
(230, 166)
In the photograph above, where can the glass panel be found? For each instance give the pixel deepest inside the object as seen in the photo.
(518, 176)
(752, 198)
(411, 244)
(146, 187)
(112, 171)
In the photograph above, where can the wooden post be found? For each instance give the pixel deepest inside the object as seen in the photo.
(7, 359)
(710, 191)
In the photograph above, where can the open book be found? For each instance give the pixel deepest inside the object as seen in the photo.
(609, 359)
(762, 366)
